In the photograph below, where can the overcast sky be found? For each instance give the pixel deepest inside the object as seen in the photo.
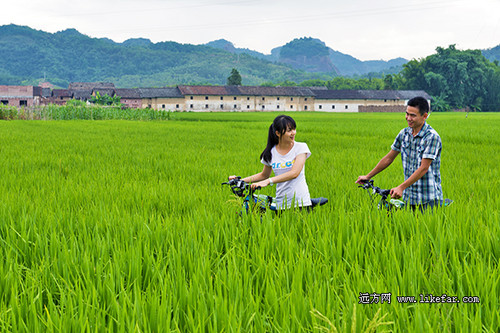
(364, 29)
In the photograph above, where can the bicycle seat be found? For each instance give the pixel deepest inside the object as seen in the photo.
(318, 201)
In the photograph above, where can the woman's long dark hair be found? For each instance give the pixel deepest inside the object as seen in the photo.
(281, 124)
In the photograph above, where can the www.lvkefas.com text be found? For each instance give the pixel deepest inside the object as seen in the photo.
(376, 298)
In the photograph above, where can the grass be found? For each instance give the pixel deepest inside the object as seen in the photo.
(82, 112)
(123, 226)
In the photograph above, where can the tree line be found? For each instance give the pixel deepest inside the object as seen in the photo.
(455, 79)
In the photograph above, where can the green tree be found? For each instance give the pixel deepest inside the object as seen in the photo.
(234, 79)
(459, 78)
(389, 82)
(341, 83)
(492, 100)
(105, 100)
(313, 83)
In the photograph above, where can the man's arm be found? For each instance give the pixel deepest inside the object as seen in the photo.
(397, 192)
(381, 165)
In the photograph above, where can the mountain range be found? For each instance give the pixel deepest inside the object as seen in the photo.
(312, 55)
(28, 56)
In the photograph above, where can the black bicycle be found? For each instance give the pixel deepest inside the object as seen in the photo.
(386, 202)
(259, 202)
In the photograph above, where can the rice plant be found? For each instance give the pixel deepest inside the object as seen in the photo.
(74, 111)
(122, 225)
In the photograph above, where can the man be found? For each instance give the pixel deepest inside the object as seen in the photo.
(420, 148)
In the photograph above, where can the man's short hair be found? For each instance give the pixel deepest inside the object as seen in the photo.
(420, 103)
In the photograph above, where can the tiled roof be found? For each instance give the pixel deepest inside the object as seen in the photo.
(207, 90)
(381, 94)
(128, 93)
(409, 94)
(338, 94)
(166, 92)
(46, 92)
(61, 93)
(275, 91)
(82, 93)
(245, 90)
(369, 94)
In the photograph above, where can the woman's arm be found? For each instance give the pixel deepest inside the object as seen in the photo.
(264, 174)
(297, 167)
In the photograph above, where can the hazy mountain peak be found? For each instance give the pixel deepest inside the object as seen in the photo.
(222, 44)
(144, 42)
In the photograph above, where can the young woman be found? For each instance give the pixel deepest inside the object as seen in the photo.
(287, 159)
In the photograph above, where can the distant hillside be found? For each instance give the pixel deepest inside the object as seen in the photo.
(311, 54)
(307, 54)
(27, 55)
(492, 54)
(229, 47)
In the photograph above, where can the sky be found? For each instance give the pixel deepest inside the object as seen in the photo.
(364, 29)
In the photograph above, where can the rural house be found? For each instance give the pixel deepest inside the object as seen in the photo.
(219, 98)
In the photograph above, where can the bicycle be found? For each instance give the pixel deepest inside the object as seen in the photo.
(261, 202)
(390, 204)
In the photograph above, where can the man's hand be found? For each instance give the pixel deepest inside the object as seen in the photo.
(396, 192)
(362, 179)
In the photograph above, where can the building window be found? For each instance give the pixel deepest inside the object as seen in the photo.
(291, 106)
(305, 107)
(248, 106)
(277, 106)
(234, 97)
(222, 106)
(333, 107)
(191, 106)
(5, 102)
(248, 98)
(305, 99)
(291, 99)
(176, 106)
(235, 106)
(320, 107)
(263, 98)
(206, 106)
(206, 97)
(191, 97)
(347, 107)
(222, 98)
(23, 103)
(278, 98)
(163, 106)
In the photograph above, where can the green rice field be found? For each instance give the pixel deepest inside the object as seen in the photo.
(123, 226)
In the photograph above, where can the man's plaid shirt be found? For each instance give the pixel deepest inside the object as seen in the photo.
(426, 144)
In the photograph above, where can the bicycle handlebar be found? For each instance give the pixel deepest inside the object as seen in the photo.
(369, 184)
(238, 186)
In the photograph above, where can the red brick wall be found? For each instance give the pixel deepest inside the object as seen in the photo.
(15, 94)
(382, 108)
(132, 102)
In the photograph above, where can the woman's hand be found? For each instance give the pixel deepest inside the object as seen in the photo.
(262, 183)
